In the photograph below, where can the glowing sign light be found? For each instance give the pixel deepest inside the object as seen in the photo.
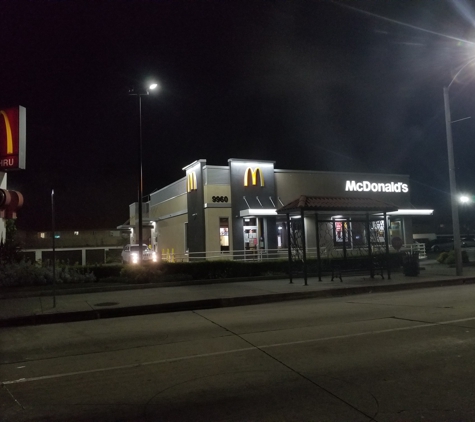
(250, 176)
(365, 186)
(12, 138)
(191, 184)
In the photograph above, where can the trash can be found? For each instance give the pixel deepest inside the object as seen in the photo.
(410, 264)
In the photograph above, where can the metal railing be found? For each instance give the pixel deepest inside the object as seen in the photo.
(281, 254)
(416, 247)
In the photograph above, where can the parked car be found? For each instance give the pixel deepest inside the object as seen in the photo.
(440, 244)
(446, 245)
(130, 254)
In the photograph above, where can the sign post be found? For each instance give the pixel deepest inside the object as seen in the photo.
(54, 249)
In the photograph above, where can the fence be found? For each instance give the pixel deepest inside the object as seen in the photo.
(101, 255)
(279, 254)
(80, 256)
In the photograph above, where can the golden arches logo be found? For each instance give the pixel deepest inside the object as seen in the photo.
(8, 132)
(250, 176)
(191, 181)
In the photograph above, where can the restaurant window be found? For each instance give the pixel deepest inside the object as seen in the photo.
(224, 234)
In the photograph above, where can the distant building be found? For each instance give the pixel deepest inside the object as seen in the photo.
(73, 246)
(219, 211)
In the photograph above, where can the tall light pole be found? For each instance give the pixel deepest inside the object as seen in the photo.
(453, 189)
(140, 92)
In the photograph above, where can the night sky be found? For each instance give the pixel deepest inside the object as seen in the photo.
(313, 85)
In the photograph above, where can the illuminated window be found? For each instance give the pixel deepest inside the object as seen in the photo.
(76, 233)
(42, 235)
(224, 234)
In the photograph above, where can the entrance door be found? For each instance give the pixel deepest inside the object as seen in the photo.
(250, 238)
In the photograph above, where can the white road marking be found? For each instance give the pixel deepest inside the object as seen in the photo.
(245, 349)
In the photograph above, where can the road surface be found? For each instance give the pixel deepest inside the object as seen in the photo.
(401, 356)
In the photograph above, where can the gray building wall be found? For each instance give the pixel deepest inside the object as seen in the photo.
(252, 196)
(196, 236)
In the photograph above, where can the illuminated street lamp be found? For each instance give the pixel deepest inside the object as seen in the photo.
(464, 199)
(140, 93)
(453, 190)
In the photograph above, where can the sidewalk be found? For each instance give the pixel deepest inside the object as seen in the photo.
(138, 301)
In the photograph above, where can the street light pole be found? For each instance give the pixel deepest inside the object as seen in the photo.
(453, 189)
(139, 93)
(140, 251)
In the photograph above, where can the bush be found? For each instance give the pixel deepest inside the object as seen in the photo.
(27, 274)
(449, 258)
(105, 271)
(443, 257)
(206, 270)
(9, 247)
(24, 274)
(141, 274)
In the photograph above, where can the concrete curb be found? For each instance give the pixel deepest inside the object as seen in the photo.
(93, 314)
(122, 287)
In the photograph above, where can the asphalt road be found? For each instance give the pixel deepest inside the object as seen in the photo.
(401, 356)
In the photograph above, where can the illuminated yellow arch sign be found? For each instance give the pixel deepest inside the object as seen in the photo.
(12, 138)
(252, 176)
(191, 184)
(8, 133)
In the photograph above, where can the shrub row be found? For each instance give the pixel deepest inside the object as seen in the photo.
(26, 274)
(33, 274)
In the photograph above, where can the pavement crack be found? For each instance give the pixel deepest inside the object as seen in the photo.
(301, 375)
(91, 306)
(412, 320)
(12, 396)
(431, 322)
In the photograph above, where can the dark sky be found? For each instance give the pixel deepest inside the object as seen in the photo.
(313, 85)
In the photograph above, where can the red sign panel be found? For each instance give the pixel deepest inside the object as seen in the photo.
(12, 138)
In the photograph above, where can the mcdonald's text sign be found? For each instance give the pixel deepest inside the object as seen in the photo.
(12, 138)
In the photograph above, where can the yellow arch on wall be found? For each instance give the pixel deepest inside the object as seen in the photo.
(253, 174)
(191, 183)
(8, 131)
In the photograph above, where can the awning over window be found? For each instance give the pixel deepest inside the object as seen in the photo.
(336, 204)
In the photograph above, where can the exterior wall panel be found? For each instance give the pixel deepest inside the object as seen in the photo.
(169, 207)
(290, 184)
(195, 200)
(217, 190)
(171, 235)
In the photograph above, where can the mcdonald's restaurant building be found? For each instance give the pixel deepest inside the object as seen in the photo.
(231, 211)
